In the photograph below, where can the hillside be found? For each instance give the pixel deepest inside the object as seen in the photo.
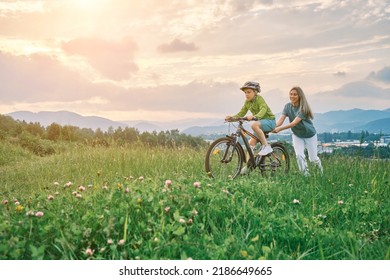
(46, 118)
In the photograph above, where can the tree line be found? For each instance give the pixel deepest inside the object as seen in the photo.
(37, 138)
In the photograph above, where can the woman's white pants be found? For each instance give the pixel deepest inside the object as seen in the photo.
(310, 144)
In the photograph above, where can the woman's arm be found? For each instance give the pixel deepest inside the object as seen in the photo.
(287, 126)
(280, 120)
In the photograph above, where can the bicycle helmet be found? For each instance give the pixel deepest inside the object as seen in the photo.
(253, 85)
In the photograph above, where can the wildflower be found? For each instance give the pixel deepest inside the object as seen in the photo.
(19, 208)
(139, 200)
(127, 190)
(194, 212)
(190, 221)
(81, 188)
(90, 186)
(182, 221)
(39, 214)
(168, 183)
(340, 202)
(131, 177)
(67, 185)
(89, 252)
(166, 209)
(225, 191)
(5, 202)
(105, 187)
(17, 202)
(121, 242)
(56, 193)
(120, 186)
(197, 185)
(350, 185)
(50, 197)
(30, 213)
(74, 193)
(110, 241)
(141, 178)
(79, 195)
(56, 184)
(296, 201)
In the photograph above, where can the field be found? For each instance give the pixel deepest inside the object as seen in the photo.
(134, 202)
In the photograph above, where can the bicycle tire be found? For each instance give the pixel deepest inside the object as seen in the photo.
(216, 166)
(276, 163)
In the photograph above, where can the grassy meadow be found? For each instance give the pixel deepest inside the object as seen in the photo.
(134, 202)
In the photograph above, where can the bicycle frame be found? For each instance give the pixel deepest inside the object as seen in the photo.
(241, 132)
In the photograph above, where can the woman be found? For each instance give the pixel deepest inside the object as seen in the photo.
(304, 134)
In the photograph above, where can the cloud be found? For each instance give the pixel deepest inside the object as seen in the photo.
(361, 89)
(382, 75)
(340, 74)
(359, 94)
(177, 45)
(111, 59)
(38, 78)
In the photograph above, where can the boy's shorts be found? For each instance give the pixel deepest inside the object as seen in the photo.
(267, 125)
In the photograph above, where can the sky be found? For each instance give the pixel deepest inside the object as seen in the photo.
(161, 60)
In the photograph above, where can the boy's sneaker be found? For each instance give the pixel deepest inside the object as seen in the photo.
(265, 150)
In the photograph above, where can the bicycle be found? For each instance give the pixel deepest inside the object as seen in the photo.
(226, 156)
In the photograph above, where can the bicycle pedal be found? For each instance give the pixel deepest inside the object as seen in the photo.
(257, 160)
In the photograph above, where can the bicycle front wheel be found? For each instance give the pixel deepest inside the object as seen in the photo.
(224, 159)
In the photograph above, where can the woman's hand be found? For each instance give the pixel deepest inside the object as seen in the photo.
(276, 130)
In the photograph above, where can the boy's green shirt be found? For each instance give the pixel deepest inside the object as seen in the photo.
(258, 108)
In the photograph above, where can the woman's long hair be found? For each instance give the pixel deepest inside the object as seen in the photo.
(303, 104)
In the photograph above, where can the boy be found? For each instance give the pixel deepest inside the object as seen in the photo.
(264, 119)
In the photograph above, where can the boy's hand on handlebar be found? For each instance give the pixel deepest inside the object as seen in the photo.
(228, 118)
(251, 118)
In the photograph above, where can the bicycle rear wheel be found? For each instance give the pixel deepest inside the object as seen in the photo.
(276, 163)
(224, 160)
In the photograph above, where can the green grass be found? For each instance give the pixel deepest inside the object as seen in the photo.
(343, 214)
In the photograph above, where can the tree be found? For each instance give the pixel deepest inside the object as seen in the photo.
(54, 132)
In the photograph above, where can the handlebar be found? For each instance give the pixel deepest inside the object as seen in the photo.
(238, 119)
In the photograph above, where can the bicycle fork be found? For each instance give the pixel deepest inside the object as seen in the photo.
(230, 146)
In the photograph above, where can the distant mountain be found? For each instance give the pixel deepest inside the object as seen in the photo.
(170, 125)
(377, 126)
(65, 118)
(206, 130)
(354, 120)
(345, 120)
